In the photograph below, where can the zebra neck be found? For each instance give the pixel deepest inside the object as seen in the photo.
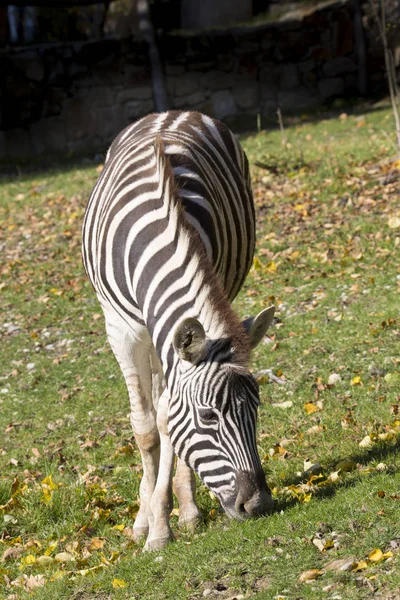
(190, 288)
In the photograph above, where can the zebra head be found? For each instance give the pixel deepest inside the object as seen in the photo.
(213, 414)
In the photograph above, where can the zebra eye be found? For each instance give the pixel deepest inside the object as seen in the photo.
(208, 415)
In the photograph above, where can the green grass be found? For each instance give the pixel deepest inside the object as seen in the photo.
(328, 246)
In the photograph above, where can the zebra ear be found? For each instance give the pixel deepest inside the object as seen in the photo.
(256, 327)
(190, 340)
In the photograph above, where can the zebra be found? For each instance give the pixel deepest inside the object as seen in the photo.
(168, 240)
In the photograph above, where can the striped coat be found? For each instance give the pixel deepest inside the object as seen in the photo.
(168, 240)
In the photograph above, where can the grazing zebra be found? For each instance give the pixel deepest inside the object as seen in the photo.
(168, 239)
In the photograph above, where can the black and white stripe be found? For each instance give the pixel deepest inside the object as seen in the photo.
(169, 233)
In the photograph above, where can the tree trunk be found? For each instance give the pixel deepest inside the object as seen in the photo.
(157, 73)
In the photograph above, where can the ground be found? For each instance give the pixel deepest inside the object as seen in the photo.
(327, 199)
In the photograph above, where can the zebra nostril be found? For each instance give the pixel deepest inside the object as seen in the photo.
(253, 497)
(241, 511)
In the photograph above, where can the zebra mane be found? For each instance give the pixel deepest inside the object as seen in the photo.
(239, 339)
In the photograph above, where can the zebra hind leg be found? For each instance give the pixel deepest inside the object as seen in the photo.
(185, 490)
(133, 351)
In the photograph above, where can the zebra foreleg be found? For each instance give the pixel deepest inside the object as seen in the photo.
(133, 351)
(160, 532)
(149, 446)
(185, 490)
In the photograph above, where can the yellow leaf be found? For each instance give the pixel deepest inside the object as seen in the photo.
(58, 575)
(310, 408)
(257, 263)
(388, 555)
(271, 267)
(387, 436)
(305, 498)
(96, 544)
(360, 566)
(356, 380)
(346, 465)
(310, 575)
(119, 527)
(28, 560)
(376, 555)
(51, 548)
(48, 486)
(118, 583)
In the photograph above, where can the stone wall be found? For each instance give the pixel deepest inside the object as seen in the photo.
(77, 97)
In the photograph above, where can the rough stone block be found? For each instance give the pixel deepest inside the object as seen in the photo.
(108, 122)
(289, 77)
(338, 66)
(186, 84)
(3, 148)
(174, 69)
(329, 88)
(48, 135)
(34, 70)
(17, 143)
(135, 109)
(191, 101)
(137, 92)
(269, 92)
(247, 96)
(223, 104)
(291, 101)
(225, 62)
(307, 65)
(268, 107)
(100, 96)
(217, 80)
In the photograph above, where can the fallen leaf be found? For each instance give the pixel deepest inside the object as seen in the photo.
(34, 581)
(394, 222)
(44, 561)
(315, 429)
(310, 408)
(64, 557)
(96, 544)
(119, 583)
(366, 442)
(360, 566)
(346, 465)
(286, 404)
(310, 575)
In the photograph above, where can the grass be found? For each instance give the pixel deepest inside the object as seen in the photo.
(328, 246)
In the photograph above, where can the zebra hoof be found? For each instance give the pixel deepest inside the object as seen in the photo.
(190, 524)
(157, 544)
(139, 533)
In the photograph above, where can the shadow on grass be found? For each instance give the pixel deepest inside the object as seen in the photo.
(24, 168)
(379, 452)
(19, 169)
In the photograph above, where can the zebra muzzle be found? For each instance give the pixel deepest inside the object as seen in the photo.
(253, 497)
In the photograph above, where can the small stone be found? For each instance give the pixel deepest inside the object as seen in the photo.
(207, 592)
(30, 366)
(340, 564)
(334, 378)
(158, 559)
